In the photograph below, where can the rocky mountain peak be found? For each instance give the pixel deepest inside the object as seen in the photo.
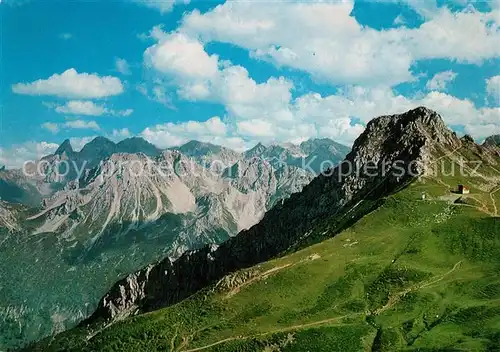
(413, 135)
(137, 145)
(467, 139)
(257, 150)
(99, 147)
(317, 143)
(118, 164)
(169, 154)
(208, 154)
(421, 121)
(100, 141)
(493, 141)
(65, 147)
(197, 147)
(252, 169)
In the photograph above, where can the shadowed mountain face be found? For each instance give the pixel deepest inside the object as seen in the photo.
(209, 155)
(131, 205)
(137, 145)
(65, 148)
(493, 141)
(101, 148)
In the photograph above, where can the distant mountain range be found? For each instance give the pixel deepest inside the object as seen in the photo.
(16, 187)
(121, 206)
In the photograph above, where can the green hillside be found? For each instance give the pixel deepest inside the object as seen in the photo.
(413, 274)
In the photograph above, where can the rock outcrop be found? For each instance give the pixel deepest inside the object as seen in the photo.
(9, 217)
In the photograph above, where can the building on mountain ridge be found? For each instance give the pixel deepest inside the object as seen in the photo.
(463, 189)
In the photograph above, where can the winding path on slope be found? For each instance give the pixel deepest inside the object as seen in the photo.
(271, 332)
(493, 200)
(395, 298)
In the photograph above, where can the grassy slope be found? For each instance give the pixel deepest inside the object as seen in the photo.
(412, 275)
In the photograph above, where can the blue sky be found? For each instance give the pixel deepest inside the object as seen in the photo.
(238, 73)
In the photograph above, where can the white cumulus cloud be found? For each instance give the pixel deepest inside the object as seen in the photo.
(50, 126)
(81, 124)
(203, 77)
(82, 107)
(16, 155)
(71, 84)
(481, 132)
(71, 124)
(441, 80)
(493, 87)
(121, 133)
(164, 6)
(78, 107)
(122, 66)
(182, 57)
(323, 39)
(268, 112)
(173, 134)
(256, 128)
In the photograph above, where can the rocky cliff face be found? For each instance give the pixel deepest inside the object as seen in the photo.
(65, 148)
(135, 190)
(392, 152)
(243, 186)
(9, 217)
(15, 187)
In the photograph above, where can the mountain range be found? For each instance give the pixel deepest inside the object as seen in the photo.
(382, 253)
(69, 232)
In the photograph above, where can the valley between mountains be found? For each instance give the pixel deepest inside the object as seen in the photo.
(381, 253)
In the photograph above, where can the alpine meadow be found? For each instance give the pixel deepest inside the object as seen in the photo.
(272, 176)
